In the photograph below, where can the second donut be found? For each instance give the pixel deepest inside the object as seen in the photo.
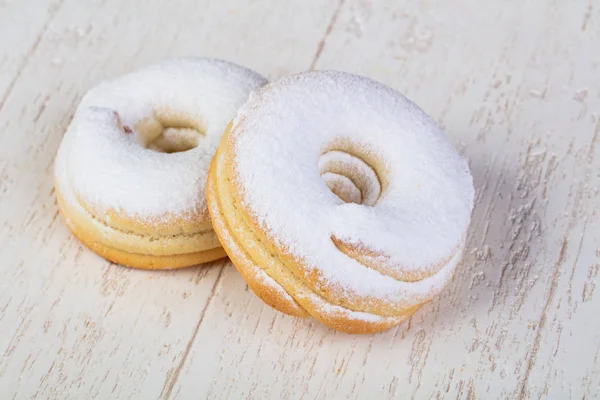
(131, 169)
(357, 211)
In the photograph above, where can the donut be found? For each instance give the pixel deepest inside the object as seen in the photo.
(338, 198)
(131, 169)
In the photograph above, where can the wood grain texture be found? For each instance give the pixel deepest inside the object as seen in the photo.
(515, 84)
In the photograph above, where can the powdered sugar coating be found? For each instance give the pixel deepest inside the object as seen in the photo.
(110, 166)
(416, 226)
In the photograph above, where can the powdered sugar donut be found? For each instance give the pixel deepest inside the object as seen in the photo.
(358, 210)
(131, 170)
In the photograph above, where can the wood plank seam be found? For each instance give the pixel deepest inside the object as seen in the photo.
(323, 40)
(170, 383)
(542, 322)
(594, 141)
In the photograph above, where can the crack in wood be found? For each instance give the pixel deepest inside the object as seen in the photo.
(522, 391)
(170, 383)
(323, 40)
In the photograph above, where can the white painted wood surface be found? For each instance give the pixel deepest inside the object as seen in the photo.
(515, 84)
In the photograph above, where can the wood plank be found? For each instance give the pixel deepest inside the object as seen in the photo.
(71, 324)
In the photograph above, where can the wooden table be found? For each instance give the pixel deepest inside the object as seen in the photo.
(516, 84)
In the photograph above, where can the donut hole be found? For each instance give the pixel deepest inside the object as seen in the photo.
(343, 187)
(169, 133)
(350, 177)
(175, 140)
